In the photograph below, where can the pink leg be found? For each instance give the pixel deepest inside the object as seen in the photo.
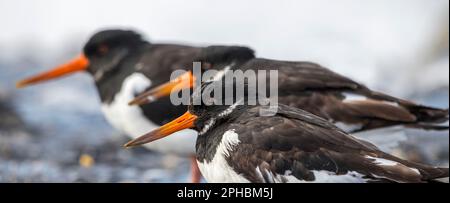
(196, 175)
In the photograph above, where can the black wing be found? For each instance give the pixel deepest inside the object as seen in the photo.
(299, 142)
(323, 92)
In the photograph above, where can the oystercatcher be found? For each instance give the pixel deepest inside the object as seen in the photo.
(123, 64)
(349, 105)
(236, 143)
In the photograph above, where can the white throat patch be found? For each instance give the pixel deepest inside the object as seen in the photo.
(129, 119)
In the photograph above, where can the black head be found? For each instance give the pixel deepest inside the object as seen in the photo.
(107, 48)
(212, 104)
(203, 114)
(214, 59)
(217, 57)
(102, 54)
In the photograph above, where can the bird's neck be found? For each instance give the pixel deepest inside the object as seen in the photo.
(111, 83)
(206, 145)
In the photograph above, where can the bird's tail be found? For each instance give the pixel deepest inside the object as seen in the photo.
(428, 118)
(431, 174)
(427, 173)
(427, 114)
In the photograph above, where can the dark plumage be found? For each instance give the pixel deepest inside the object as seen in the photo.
(327, 94)
(297, 143)
(123, 64)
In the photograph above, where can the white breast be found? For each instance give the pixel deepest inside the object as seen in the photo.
(132, 121)
(218, 170)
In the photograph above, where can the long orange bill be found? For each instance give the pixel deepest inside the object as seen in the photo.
(78, 64)
(183, 122)
(184, 81)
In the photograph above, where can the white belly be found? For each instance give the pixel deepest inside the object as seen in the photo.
(218, 170)
(132, 121)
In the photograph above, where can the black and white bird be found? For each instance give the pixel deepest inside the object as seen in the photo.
(244, 143)
(350, 105)
(123, 64)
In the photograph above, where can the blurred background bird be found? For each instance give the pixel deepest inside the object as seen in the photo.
(398, 47)
(122, 64)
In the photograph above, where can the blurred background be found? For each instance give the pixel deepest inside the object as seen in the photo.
(55, 132)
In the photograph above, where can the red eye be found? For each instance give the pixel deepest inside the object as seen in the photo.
(103, 49)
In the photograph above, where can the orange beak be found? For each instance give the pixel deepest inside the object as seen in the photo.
(183, 122)
(78, 64)
(184, 81)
